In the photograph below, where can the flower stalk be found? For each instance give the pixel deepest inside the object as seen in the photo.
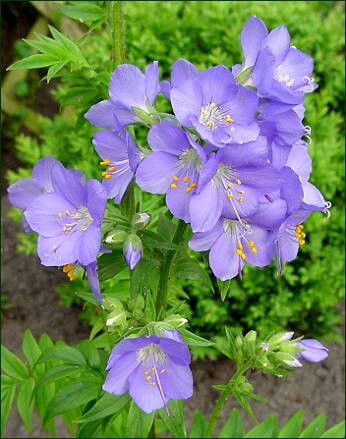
(116, 14)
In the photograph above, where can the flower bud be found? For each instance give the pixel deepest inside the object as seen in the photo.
(239, 341)
(176, 320)
(251, 336)
(133, 250)
(278, 338)
(116, 318)
(313, 351)
(116, 237)
(144, 116)
(140, 220)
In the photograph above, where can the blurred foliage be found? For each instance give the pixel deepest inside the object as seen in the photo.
(305, 298)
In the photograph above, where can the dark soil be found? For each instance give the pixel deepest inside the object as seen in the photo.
(34, 304)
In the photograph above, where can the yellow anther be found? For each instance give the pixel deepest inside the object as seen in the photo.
(186, 179)
(301, 242)
(153, 369)
(175, 178)
(204, 113)
(213, 104)
(188, 189)
(107, 176)
(66, 268)
(70, 275)
(146, 372)
(152, 384)
(104, 174)
(105, 162)
(238, 181)
(241, 191)
(193, 185)
(240, 246)
(148, 378)
(303, 234)
(59, 215)
(173, 186)
(162, 370)
(229, 185)
(229, 196)
(254, 249)
(251, 243)
(243, 256)
(241, 199)
(68, 229)
(63, 229)
(209, 123)
(301, 226)
(298, 235)
(112, 168)
(228, 118)
(239, 252)
(67, 212)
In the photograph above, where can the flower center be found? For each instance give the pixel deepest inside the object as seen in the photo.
(212, 115)
(237, 231)
(152, 354)
(80, 220)
(114, 168)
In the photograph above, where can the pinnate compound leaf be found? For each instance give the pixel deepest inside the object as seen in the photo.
(233, 427)
(65, 353)
(7, 397)
(316, 427)
(338, 431)
(30, 348)
(188, 269)
(12, 365)
(71, 396)
(293, 426)
(59, 372)
(34, 62)
(267, 429)
(107, 405)
(25, 402)
(199, 425)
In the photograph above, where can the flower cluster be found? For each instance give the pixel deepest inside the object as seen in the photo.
(232, 161)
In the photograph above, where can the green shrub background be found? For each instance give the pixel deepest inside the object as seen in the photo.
(305, 297)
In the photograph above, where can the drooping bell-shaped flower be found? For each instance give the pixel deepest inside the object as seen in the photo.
(152, 369)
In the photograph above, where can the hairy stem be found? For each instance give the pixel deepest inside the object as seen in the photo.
(222, 399)
(116, 14)
(161, 298)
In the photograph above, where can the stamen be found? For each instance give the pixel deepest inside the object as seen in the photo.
(173, 186)
(67, 212)
(240, 199)
(111, 168)
(66, 268)
(186, 179)
(175, 178)
(162, 370)
(59, 215)
(228, 118)
(188, 189)
(193, 185)
(107, 176)
(105, 162)
(229, 196)
(238, 181)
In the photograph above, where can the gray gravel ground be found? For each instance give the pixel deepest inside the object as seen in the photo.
(30, 291)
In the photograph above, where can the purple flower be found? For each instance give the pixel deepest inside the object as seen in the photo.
(68, 221)
(128, 88)
(232, 183)
(120, 158)
(152, 369)
(133, 250)
(234, 242)
(314, 351)
(279, 71)
(211, 102)
(172, 167)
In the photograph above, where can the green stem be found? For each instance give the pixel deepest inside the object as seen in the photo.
(116, 13)
(222, 399)
(161, 298)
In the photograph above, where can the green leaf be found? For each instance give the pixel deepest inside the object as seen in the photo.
(267, 429)
(224, 288)
(188, 269)
(59, 372)
(7, 381)
(293, 426)
(166, 228)
(25, 402)
(174, 422)
(43, 395)
(54, 70)
(90, 352)
(199, 425)
(233, 427)
(111, 264)
(338, 431)
(30, 348)
(153, 240)
(145, 277)
(83, 11)
(138, 422)
(107, 405)
(193, 339)
(34, 62)
(316, 427)
(45, 342)
(71, 396)
(7, 397)
(12, 365)
(65, 353)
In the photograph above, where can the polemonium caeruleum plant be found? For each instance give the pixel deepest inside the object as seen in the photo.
(232, 161)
